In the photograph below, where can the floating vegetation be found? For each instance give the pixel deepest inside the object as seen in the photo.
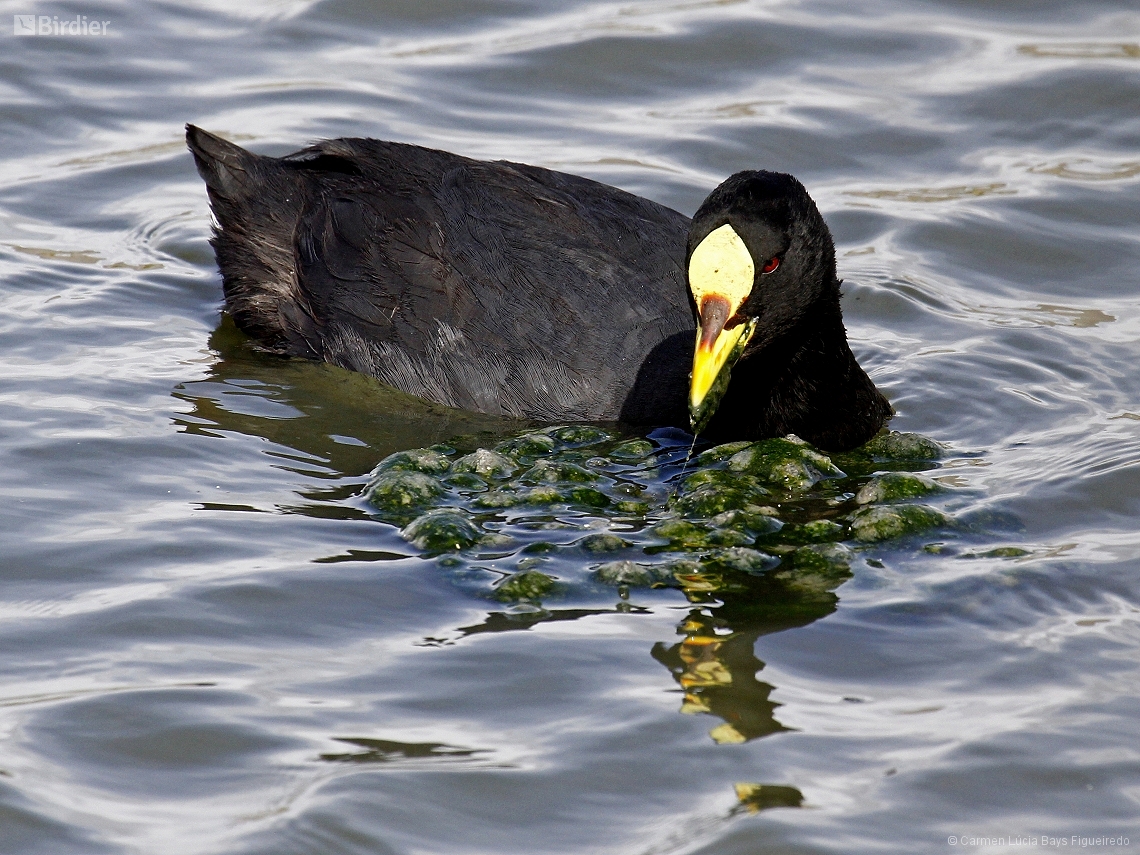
(526, 585)
(577, 507)
(895, 487)
(400, 493)
(441, 530)
(879, 523)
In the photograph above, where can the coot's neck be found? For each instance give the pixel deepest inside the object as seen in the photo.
(805, 382)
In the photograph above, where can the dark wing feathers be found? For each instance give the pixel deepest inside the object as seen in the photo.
(496, 287)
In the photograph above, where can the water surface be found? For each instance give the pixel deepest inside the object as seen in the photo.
(212, 644)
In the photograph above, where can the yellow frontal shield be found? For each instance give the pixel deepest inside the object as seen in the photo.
(721, 274)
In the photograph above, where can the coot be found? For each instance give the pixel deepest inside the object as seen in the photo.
(515, 290)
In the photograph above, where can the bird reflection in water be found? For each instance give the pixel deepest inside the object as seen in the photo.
(717, 673)
(714, 664)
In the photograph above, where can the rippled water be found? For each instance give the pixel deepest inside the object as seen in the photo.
(212, 645)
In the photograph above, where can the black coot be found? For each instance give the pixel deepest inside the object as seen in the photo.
(515, 290)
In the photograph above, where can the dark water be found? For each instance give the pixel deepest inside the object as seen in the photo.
(210, 646)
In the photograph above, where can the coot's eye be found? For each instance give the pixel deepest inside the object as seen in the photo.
(772, 264)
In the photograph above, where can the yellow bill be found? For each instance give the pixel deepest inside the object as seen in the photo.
(721, 275)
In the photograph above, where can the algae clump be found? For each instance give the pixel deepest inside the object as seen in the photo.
(581, 434)
(530, 585)
(789, 464)
(441, 530)
(896, 486)
(895, 445)
(486, 463)
(632, 574)
(742, 560)
(634, 449)
(426, 460)
(558, 472)
(602, 542)
(398, 491)
(886, 522)
(527, 445)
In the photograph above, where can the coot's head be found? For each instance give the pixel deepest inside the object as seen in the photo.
(760, 260)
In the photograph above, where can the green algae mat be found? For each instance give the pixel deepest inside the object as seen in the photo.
(570, 508)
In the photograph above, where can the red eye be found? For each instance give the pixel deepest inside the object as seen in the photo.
(772, 264)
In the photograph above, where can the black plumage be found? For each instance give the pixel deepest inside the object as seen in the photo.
(516, 290)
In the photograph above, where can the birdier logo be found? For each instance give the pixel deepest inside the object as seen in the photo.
(51, 25)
